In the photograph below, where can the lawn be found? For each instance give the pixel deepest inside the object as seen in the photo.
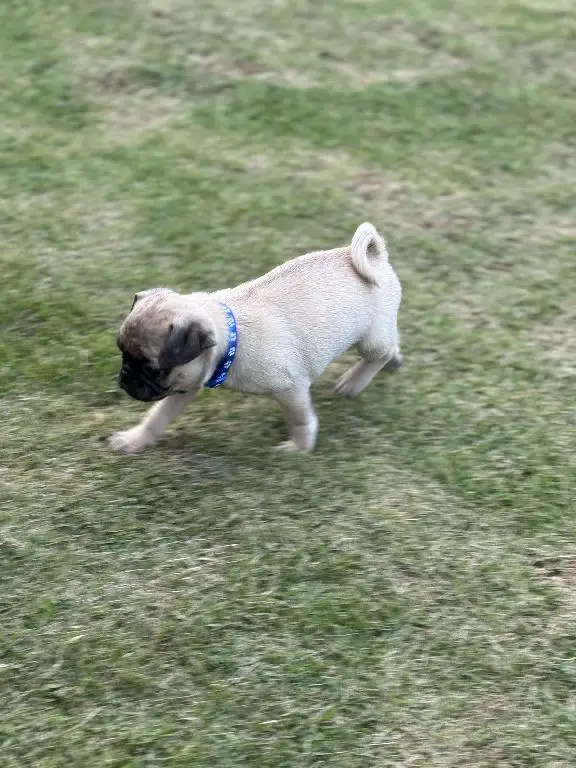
(406, 595)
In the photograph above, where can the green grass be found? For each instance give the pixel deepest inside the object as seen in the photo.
(406, 596)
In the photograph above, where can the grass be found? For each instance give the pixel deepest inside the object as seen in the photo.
(406, 596)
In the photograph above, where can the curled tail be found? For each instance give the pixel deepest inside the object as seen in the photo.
(367, 245)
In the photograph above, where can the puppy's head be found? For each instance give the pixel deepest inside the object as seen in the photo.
(166, 344)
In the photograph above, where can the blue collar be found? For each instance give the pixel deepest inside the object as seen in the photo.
(221, 372)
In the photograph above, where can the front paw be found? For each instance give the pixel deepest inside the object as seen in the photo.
(131, 441)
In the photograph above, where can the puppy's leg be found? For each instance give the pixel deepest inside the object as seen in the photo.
(300, 418)
(358, 377)
(152, 425)
(380, 350)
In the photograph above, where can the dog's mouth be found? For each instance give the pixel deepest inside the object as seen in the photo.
(152, 398)
(143, 381)
(142, 385)
(143, 392)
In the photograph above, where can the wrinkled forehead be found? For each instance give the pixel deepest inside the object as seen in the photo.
(143, 337)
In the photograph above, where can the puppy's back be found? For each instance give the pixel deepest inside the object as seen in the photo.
(314, 307)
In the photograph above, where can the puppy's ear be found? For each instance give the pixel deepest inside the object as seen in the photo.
(138, 296)
(187, 338)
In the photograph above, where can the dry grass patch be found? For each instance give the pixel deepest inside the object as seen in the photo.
(288, 44)
(128, 117)
(562, 572)
(351, 75)
(556, 341)
(121, 85)
(355, 77)
(237, 69)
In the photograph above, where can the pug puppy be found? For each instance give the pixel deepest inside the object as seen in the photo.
(270, 336)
